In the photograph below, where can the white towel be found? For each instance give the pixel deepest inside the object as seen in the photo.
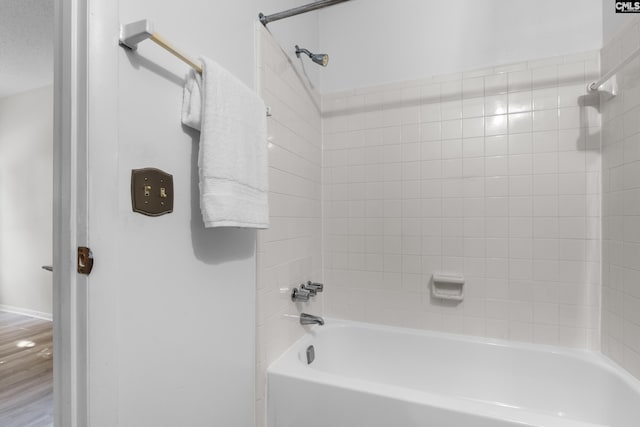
(192, 100)
(232, 159)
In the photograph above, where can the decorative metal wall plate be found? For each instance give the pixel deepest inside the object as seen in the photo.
(151, 191)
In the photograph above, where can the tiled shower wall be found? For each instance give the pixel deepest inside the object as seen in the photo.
(621, 204)
(494, 174)
(289, 252)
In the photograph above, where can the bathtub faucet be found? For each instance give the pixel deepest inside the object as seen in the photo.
(310, 319)
(312, 287)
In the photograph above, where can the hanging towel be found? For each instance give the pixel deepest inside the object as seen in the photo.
(232, 158)
(192, 100)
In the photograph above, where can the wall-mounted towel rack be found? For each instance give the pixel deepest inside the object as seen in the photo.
(134, 33)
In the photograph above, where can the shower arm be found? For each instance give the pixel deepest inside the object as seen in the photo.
(300, 50)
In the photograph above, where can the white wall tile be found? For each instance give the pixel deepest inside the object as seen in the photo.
(545, 77)
(545, 120)
(620, 204)
(495, 104)
(431, 131)
(496, 145)
(495, 175)
(520, 122)
(451, 109)
(496, 125)
(473, 107)
(495, 84)
(473, 147)
(519, 102)
(472, 88)
(544, 163)
(473, 127)
(545, 99)
(520, 80)
(289, 252)
(452, 129)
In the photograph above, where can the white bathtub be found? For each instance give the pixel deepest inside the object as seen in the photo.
(374, 376)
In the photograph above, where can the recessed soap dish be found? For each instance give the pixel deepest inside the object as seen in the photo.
(448, 286)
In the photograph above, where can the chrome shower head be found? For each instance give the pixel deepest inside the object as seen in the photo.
(318, 58)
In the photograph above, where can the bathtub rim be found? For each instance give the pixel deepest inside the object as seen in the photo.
(587, 355)
(288, 364)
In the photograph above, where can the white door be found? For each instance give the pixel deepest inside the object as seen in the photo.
(162, 332)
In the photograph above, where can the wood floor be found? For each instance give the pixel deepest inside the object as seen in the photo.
(26, 371)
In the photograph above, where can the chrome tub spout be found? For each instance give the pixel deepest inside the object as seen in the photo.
(310, 319)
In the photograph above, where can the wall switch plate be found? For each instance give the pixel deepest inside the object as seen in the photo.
(151, 191)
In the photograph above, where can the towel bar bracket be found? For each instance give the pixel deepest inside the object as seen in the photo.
(135, 32)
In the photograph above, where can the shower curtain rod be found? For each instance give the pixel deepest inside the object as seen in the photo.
(265, 19)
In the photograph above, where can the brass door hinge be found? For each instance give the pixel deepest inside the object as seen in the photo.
(85, 260)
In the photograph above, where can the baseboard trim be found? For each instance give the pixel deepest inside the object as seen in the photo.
(26, 312)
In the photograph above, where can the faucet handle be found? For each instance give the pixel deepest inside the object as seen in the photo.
(300, 295)
(312, 287)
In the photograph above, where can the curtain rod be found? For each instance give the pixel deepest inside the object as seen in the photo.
(265, 19)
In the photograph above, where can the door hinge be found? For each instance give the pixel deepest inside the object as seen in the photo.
(85, 260)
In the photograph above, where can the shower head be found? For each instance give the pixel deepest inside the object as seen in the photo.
(318, 58)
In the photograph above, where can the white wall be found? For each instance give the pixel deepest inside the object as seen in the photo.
(172, 305)
(26, 29)
(26, 149)
(379, 41)
(613, 22)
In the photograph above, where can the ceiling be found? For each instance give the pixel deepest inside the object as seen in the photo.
(26, 45)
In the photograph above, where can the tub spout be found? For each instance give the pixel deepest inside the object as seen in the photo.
(310, 319)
